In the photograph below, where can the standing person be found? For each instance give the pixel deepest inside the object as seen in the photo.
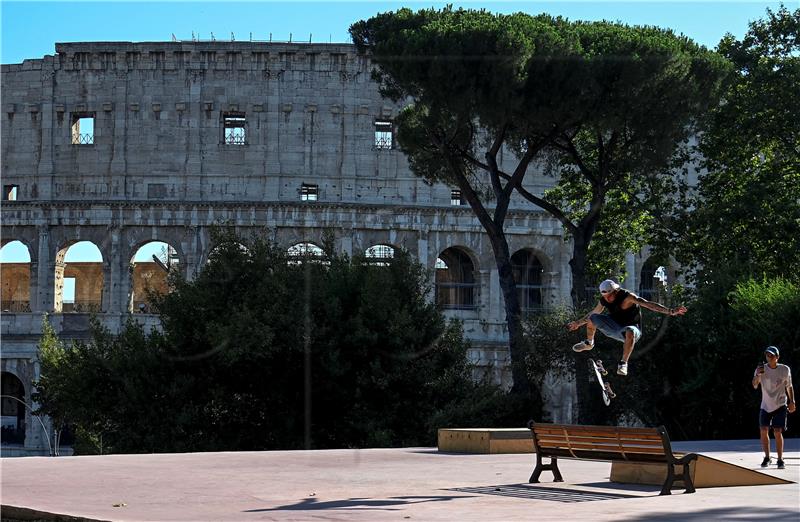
(777, 401)
(621, 322)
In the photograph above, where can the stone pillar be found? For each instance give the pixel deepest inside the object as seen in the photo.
(45, 169)
(33, 285)
(631, 277)
(496, 311)
(44, 298)
(566, 273)
(113, 280)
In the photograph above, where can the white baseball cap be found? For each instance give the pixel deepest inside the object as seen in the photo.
(608, 286)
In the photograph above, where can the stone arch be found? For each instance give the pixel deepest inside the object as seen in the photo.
(529, 278)
(84, 293)
(651, 275)
(16, 276)
(456, 279)
(150, 263)
(12, 410)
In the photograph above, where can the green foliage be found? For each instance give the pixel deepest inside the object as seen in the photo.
(609, 107)
(261, 351)
(747, 215)
(700, 373)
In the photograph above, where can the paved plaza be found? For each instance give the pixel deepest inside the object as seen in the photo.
(376, 485)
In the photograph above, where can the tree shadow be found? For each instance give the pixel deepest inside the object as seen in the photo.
(359, 503)
(730, 513)
(553, 494)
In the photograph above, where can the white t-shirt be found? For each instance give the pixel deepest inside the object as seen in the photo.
(773, 386)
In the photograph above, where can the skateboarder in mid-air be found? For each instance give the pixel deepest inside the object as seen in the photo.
(621, 322)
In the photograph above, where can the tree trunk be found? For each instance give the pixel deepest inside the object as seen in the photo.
(508, 286)
(584, 387)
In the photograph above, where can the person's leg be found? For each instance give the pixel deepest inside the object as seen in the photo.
(765, 440)
(590, 331)
(627, 346)
(778, 432)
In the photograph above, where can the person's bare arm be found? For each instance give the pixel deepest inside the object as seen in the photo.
(656, 307)
(757, 376)
(574, 325)
(790, 396)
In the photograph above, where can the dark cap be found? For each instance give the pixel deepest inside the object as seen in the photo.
(773, 350)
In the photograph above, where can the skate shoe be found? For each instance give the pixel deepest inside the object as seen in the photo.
(766, 462)
(583, 346)
(781, 465)
(622, 368)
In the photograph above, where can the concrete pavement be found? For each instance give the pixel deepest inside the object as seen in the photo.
(377, 485)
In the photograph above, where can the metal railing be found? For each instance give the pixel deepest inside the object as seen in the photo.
(383, 142)
(82, 307)
(235, 139)
(456, 296)
(83, 139)
(16, 306)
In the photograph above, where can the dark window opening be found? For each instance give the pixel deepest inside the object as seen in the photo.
(383, 135)
(309, 192)
(234, 124)
(10, 192)
(455, 281)
(528, 278)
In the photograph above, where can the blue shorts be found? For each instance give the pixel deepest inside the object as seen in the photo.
(612, 329)
(776, 419)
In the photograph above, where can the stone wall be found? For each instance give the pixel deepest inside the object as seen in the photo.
(270, 138)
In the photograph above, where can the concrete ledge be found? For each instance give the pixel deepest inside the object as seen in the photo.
(485, 440)
(706, 472)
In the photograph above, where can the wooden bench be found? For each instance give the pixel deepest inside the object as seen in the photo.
(608, 443)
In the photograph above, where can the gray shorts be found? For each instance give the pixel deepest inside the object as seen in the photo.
(612, 329)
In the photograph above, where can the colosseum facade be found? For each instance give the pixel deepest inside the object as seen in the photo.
(122, 144)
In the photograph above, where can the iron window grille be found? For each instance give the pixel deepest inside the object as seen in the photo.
(83, 129)
(234, 128)
(384, 135)
(309, 192)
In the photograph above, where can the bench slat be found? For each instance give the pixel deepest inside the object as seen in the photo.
(607, 447)
(623, 433)
(606, 456)
(624, 441)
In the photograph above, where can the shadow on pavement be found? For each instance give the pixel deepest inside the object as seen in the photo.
(733, 513)
(313, 504)
(553, 494)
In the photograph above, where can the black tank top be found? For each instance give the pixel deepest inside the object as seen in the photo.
(623, 317)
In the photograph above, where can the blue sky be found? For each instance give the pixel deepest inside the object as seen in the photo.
(30, 29)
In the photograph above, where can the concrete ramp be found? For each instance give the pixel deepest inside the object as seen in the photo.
(707, 472)
(485, 440)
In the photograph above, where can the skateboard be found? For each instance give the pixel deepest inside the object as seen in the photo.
(599, 371)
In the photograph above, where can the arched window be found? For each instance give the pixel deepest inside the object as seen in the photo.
(455, 280)
(12, 409)
(151, 264)
(301, 252)
(79, 278)
(15, 275)
(380, 255)
(528, 278)
(652, 279)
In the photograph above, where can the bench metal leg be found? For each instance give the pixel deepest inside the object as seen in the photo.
(685, 477)
(553, 466)
(666, 489)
